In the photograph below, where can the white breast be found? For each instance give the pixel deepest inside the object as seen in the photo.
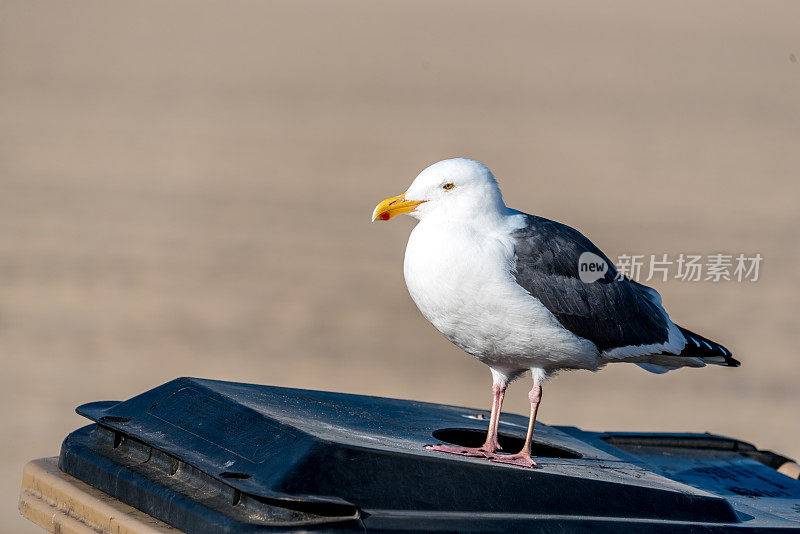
(461, 280)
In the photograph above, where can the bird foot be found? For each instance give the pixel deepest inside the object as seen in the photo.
(519, 459)
(461, 451)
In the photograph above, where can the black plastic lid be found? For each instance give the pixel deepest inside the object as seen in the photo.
(209, 456)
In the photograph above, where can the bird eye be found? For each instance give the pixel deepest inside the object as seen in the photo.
(448, 186)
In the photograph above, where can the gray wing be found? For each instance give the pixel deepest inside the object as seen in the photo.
(610, 312)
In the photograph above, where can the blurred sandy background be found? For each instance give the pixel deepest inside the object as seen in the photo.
(186, 190)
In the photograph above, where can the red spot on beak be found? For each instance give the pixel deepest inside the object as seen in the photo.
(384, 216)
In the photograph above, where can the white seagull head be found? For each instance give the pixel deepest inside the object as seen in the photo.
(456, 189)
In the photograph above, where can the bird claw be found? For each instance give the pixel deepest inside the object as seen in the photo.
(520, 460)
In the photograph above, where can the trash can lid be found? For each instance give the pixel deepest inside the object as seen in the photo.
(208, 455)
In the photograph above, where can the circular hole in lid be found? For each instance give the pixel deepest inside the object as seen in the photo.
(471, 437)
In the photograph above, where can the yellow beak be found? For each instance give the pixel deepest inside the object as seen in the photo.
(394, 206)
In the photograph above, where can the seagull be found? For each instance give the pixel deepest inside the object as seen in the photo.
(523, 293)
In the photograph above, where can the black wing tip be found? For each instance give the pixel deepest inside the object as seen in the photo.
(733, 362)
(709, 351)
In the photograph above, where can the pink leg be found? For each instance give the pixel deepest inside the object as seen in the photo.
(523, 458)
(490, 446)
